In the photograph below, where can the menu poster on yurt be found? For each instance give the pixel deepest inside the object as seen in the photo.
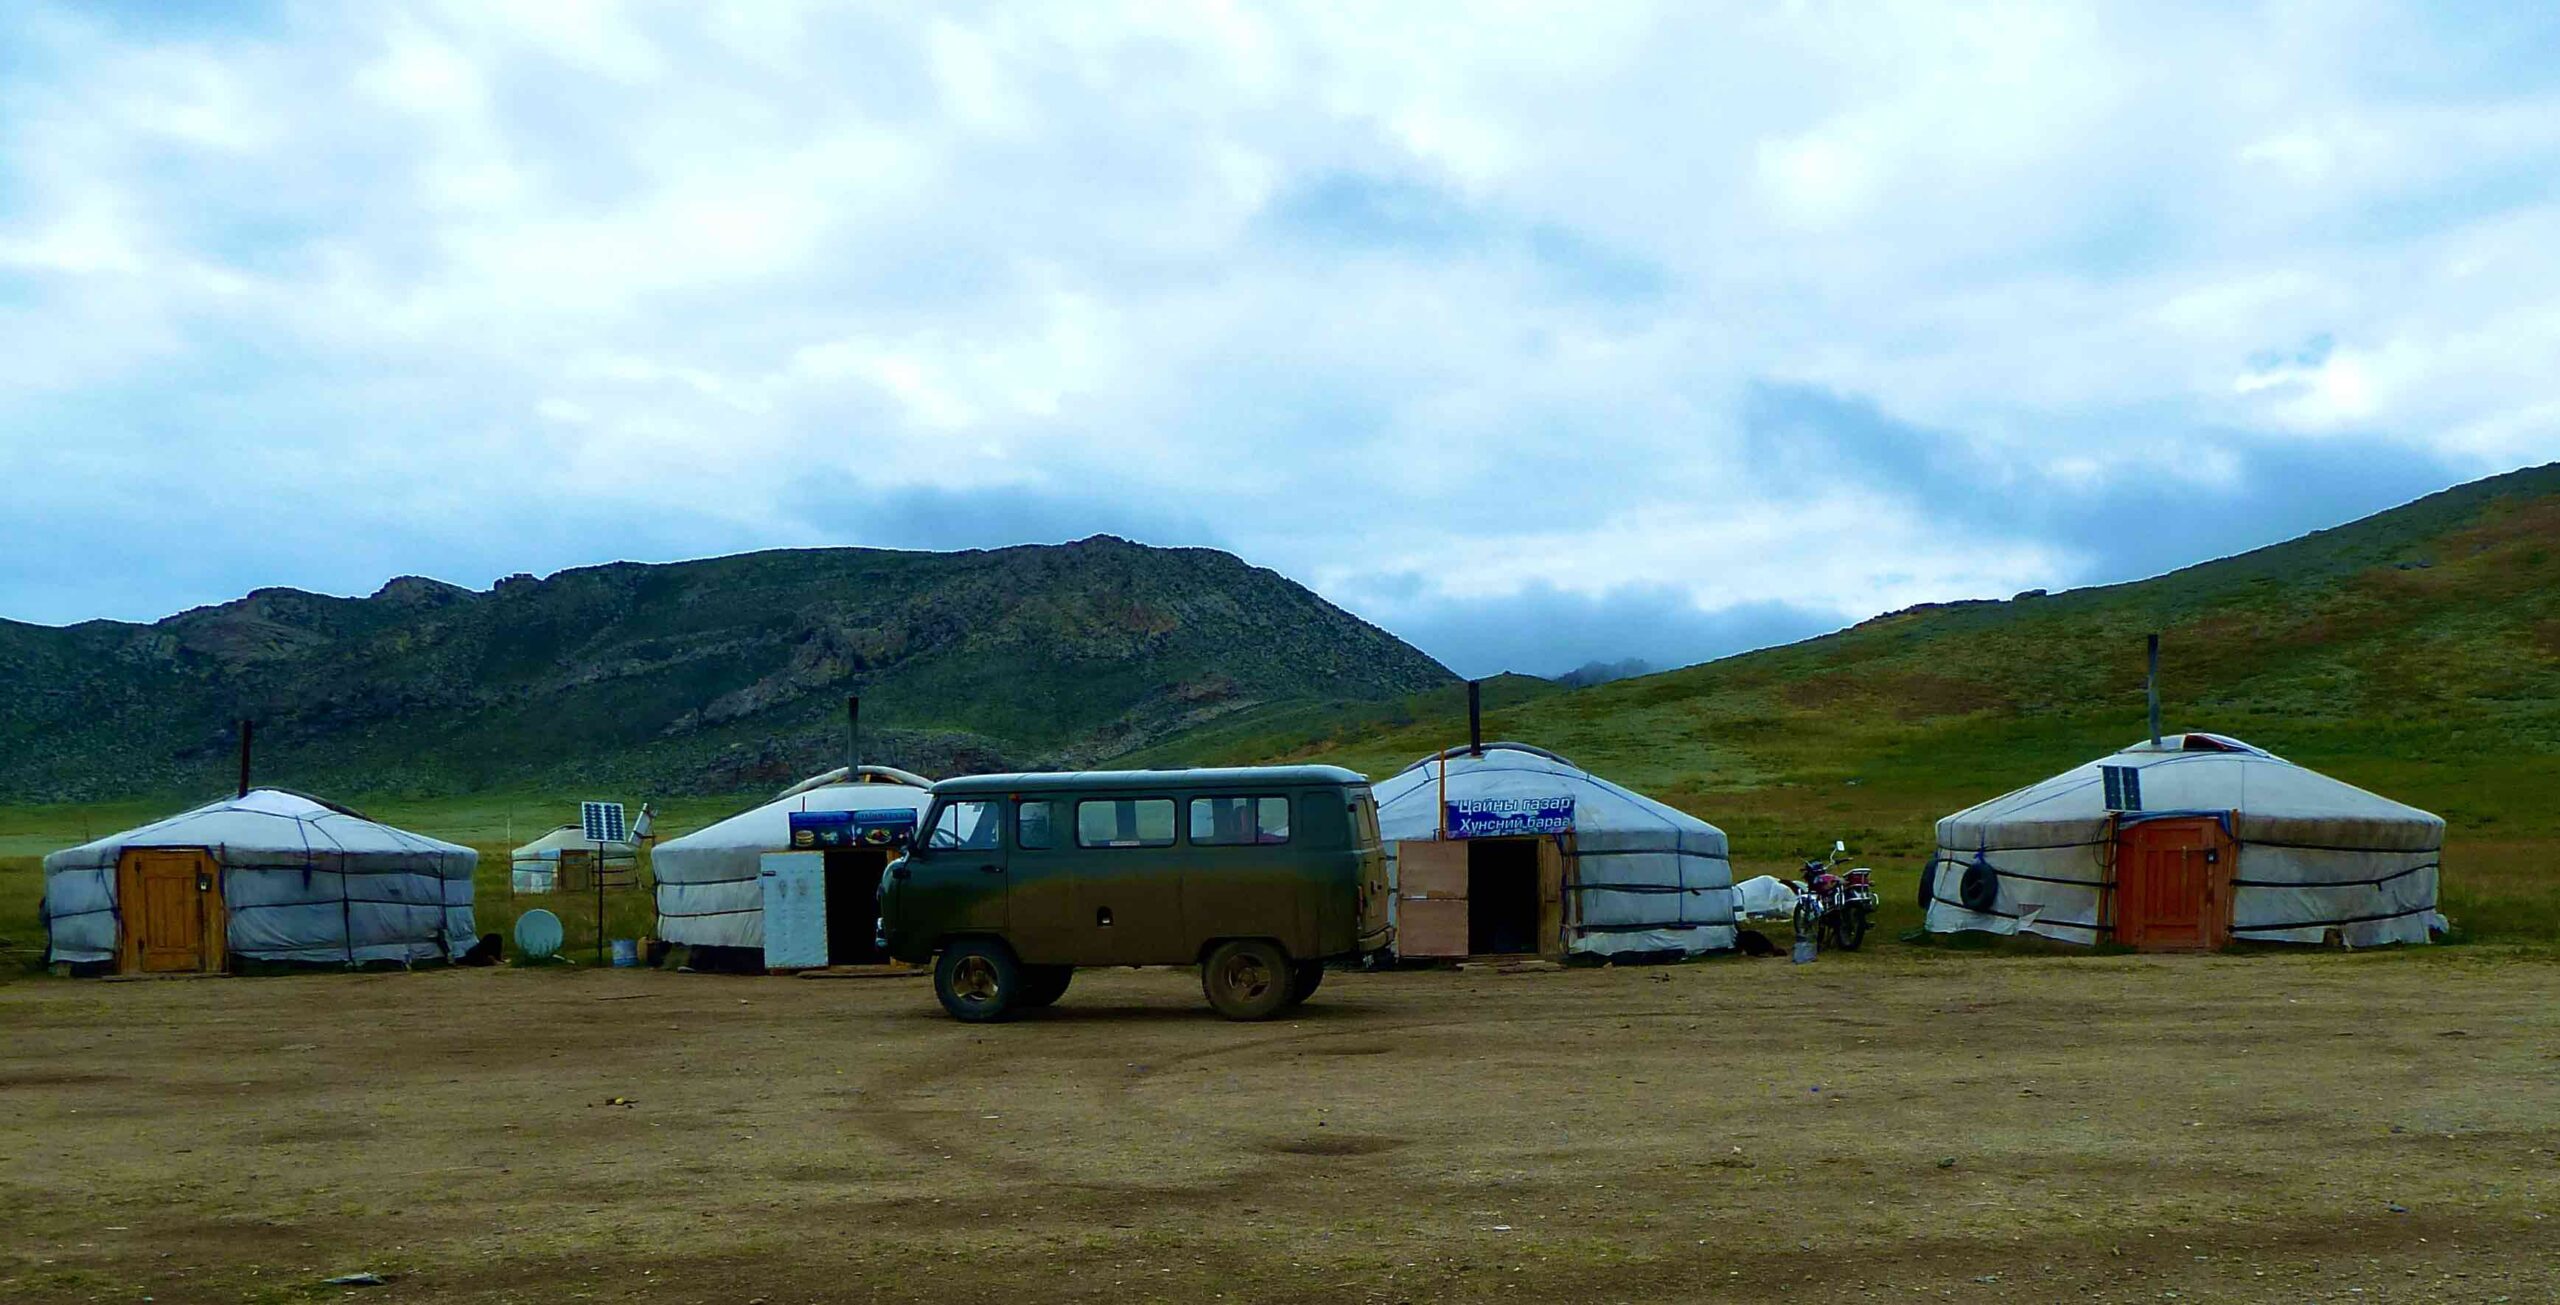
(1510, 817)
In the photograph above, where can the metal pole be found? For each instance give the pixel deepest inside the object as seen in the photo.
(247, 727)
(1475, 718)
(2151, 688)
(1444, 795)
(852, 737)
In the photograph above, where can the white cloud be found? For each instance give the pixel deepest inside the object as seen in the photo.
(1475, 294)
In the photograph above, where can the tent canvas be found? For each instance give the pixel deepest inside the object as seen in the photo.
(535, 867)
(709, 882)
(1637, 876)
(299, 880)
(2308, 853)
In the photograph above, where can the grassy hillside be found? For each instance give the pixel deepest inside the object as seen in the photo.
(715, 676)
(2416, 653)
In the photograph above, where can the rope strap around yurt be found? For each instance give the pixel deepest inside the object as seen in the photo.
(2107, 850)
(1579, 886)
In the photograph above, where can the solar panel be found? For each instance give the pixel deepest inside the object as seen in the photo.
(602, 821)
(2124, 787)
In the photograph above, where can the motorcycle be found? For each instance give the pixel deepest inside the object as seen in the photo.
(1836, 907)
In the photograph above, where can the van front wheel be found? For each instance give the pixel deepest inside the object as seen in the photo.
(978, 981)
(1043, 985)
(1304, 976)
(1247, 979)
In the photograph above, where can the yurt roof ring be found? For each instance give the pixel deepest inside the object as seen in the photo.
(1464, 750)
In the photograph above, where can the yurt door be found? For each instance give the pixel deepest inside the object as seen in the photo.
(172, 907)
(2170, 893)
(1431, 898)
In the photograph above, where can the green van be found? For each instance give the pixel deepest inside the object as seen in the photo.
(1258, 875)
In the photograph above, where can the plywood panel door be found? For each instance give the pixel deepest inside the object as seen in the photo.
(171, 903)
(1431, 898)
(2170, 892)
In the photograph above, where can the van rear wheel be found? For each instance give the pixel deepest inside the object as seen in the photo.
(978, 981)
(1247, 980)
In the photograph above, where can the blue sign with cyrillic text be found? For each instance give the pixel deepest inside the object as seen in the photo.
(1510, 817)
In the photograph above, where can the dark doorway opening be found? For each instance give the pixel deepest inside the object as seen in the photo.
(1502, 896)
(853, 905)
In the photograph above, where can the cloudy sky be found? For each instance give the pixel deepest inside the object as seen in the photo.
(1535, 334)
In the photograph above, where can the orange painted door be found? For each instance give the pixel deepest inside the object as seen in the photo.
(171, 907)
(2171, 893)
(1431, 898)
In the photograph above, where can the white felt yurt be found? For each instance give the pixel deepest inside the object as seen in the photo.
(563, 860)
(1538, 856)
(2187, 843)
(708, 882)
(269, 876)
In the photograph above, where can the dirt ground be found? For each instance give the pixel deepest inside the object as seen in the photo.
(1872, 1127)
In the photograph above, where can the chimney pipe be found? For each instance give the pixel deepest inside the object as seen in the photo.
(852, 736)
(1475, 718)
(247, 727)
(2151, 687)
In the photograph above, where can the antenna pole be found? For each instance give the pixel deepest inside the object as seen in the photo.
(2151, 689)
(247, 728)
(1475, 718)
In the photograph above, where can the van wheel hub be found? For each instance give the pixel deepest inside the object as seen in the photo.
(975, 980)
(1248, 977)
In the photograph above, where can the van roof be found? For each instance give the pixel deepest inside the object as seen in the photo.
(1118, 781)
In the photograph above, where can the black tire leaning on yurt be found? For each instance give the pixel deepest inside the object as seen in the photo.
(1247, 979)
(1980, 888)
(978, 981)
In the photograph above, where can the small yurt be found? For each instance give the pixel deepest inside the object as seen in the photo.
(2186, 843)
(266, 876)
(709, 882)
(566, 860)
(1507, 849)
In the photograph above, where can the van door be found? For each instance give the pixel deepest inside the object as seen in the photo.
(1040, 903)
(1128, 883)
(956, 882)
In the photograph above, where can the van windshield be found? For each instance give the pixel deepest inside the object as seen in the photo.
(970, 825)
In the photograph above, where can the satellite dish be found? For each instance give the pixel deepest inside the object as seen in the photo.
(538, 935)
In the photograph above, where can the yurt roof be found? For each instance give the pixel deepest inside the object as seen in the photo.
(570, 838)
(1519, 770)
(769, 825)
(2205, 774)
(266, 824)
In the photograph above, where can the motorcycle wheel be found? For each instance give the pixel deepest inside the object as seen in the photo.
(1851, 928)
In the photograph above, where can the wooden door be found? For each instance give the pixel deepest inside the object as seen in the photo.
(2172, 891)
(1552, 854)
(1431, 898)
(171, 904)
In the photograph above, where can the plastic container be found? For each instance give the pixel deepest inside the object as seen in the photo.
(1804, 951)
(626, 953)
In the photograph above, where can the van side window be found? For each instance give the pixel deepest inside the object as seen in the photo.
(1031, 825)
(1125, 822)
(969, 825)
(1219, 821)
